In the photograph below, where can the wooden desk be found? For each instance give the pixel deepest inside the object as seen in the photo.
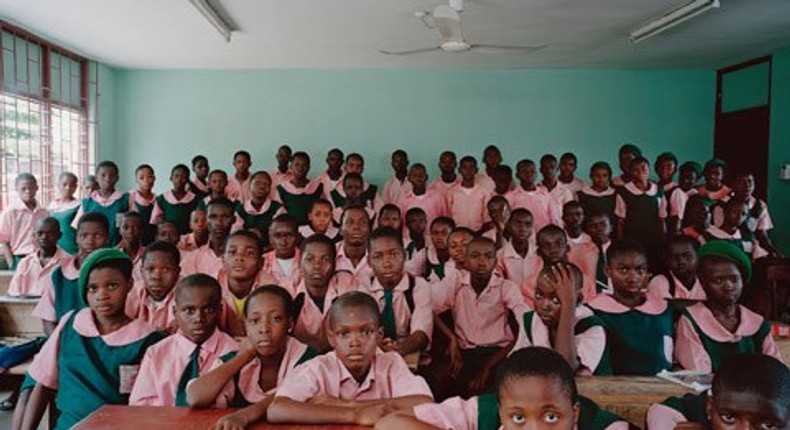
(16, 317)
(166, 418)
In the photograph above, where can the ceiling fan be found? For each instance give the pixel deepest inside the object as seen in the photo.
(447, 20)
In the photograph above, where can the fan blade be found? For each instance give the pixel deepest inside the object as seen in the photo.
(409, 51)
(504, 49)
(449, 23)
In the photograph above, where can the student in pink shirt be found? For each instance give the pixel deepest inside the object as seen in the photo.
(625, 155)
(404, 299)
(714, 189)
(666, 166)
(353, 192)
(480, 302)
(710, 332)
(198, 235)
(319, 221)
(492, 159)
(466, 200)
(415, 241)
(680, 280)
(352, 250)
(152, 301)
(498, 214)
(568, 164)
(437, 254)
(394, 187)
(556, 190)
(282, 173)
(447, 178)
(217, 183)
(299, 192)
(333, 175)
(583, 252)
(167, 231)
(208, 258)
(282, 262)
(356, 383)
(238, 187)
(131, 230)
(265, 358)
(36, 269)
(599, 226)
(544, 209)
(18, 221)
(143, 199)
(433, 203)
(390, 216)
(517, 259)
(355, 165)
(169, 366)
(200, 166)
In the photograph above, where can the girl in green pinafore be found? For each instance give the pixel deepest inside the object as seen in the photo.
(107, 200)
(258, 212)
(639, 326)
(299, 193)
(177, 204)
(600, 196)
(92, 358)
(142, 200)
(64, 209)
(641, 210)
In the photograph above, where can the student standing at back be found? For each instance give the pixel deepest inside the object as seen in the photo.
(238, 187)
(352, 192)
(600, 196)
(107, 200)
(64, 209)
(396, 184)
(208, 258)
(355, 163)
(666, 166)
(625, 156)
(298, 193)
(492, 158)
(447, 177)
(178, 203)
(259, 210)
(550, 184)
(429, 201)
(143, 200)
(18, 221)
(334, 172)
(282, 173)
(217, 182)
(319, 221)
(466, 200)
(678, 196)
(568, 164)
(544, 209)
(714, 190)
(199, 187)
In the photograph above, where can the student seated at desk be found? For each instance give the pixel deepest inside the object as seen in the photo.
(267, 355)
(356, 383)
(18, 221)
(92, 357)
(749, 391)
(680, 280)
(153, 300)
(39, 265)
(535, 389)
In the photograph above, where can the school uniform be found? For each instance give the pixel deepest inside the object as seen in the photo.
(238, 190)
(372, 203)
(510, 265)
(29, 273)
(467, 206)
(117, 203)
(486, 182)
(187, 242)
(742, 238)
(329, 183)
(405, 309)
(442, 187)
(703, 343)
(312, 312)
(361, 271)
(676, 201)
(530, 285)
(169, 208)
(332, 232)
(165, 385)
(560, 193)
(619, 181)
(544, 209)
(714, 196)
(675, 410)
(482, 413)
(393, 188)
(159, 314)
(575, 185)
(598, 201)
(668, 286)
(199, 188)
(434, 268)
(260, 219)
(143, 206)
(585, 254)
(601, 280)
(60, 293)
(431, 202)
(18, 226)
(297, 201)
(640, 338)
(389, 377)
(643, 213)
(589, 336)
(89, 369)
(286, 272)
(233, 307)
(279, 177)
(415, 258)
(757, 217)
(65, 212)
(201, 260)
(692, 232)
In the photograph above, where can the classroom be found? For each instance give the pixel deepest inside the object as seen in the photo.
(412, 214)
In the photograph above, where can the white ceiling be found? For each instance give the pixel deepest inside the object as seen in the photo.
(349, 33)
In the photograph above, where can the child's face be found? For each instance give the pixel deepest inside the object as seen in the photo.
(520, 226)
(242, 258)
(386, 257)
(283, 237)
(600, 178)
(687, 178)
(573, 217)
(47, 235)
(714, 175)
(260, 187)
(526, 173)
(480, 258)
(201, 169)
(666, 170)
(27, 190)
(698, 213)
(267, 324)
(629, 274)
(468, 170)
(167, 232)
(334, 160)
(197, 221)
(179, 178)
(492, 158)
(106, 292)
(217, 183)
(567, 167)
(744, 187)
(160, 274)
(355, 335)
(300, 166)
(90, 237)
(242, 163)
(418, 177)
(107, 177)
(502, 182)
(447, 164)
(536, 402)
(399, 162)
(599, 227)
(746, 410)
(220, 220)
(548, 169)
(458, 243)
(283, 156)
(355, 228)
(440, 233)
(130, 230)
(390, 218)
(735, 214)
(625, 159)
(196, 312)
(499, 211)
(547, 303)
(415, 223)
(352, 188)
(722, 281)
(89, 185)
(317, 264)
(67, 186)
(320, 217)
(355, 165)
(682, 259)
(640, 172)
(145, 179)
(553, 247)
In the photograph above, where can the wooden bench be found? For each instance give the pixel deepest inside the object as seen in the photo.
(16, 319)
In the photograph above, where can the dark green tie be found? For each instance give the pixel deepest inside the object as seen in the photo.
(388, 316)
(191, 372)
(600, 273)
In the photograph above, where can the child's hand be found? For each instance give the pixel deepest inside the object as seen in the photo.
(689, 426)
(230, 422)
(388, 344)
(323, 399)
(563, 283)
(368, 415)
(456, 360)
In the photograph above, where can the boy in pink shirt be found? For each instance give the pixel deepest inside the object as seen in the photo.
(398, 183)
(437, 254)
(583, 253)
(217, 182)
(238, 187)
(38, 266)
(208, 258)
(282, 173)
(680, 280)
(197, 346)
(517, 259)
(498, 211)
(430, 201)
(556, 190)
(198, 236)
(282, 262)
(354, 384)
(544, 209)
(415, 241)
(447, 179)
(199, 187)
(319, 220)
(18, 220)
(153, 300)
(352, 250)
(466, 200)
(333, 175)
(568, 164)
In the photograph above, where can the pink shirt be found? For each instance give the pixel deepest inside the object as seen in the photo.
(415, 264)
(249, 375)
(486, 181)
(543, 207)
(431, 202)
(761, 222)
(393, 188)
(467, 206)
(621, 210)
(662, 417)
(164, 363)
(187, 242)
(721, 194)
(560, 193)
(406, 320)
(96, 197)
(136, 197)
(310, 323)
(361, 271)
(691, 353)
(158, 214)
(516, 268)
(59, 205)
(286, 279)
(30, 276)
(201, 260)
(442, 187)
(575, 185)
(480, 320)
(306, 231)
(18, 226)
(45, 308)
(329, 183)
(590, 344)
(389, 377)
(236, 190)
(278, 177)
(44, 368)
(659, 286)
(236, 305)
(140, 305)
(677, 202)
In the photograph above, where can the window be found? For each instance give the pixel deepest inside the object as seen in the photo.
(47, 112)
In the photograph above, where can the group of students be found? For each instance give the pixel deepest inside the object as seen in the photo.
(302, 300)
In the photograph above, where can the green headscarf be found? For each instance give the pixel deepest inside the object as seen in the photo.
(728, 251)
(96, 257)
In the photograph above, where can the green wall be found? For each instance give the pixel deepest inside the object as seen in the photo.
(165, 117)
(779, 150)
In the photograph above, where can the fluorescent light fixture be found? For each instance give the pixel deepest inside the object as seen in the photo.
(671, 19)
(209, 12)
